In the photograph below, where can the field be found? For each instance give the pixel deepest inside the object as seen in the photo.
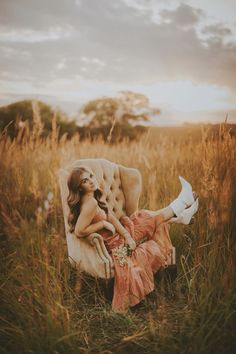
(41, 311)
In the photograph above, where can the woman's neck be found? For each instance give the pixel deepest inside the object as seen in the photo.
(87, 196)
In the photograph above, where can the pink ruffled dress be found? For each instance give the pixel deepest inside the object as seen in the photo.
(134, 272)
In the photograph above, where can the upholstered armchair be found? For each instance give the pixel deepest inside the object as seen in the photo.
(121, 188)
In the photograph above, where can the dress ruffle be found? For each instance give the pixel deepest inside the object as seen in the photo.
(135, 279)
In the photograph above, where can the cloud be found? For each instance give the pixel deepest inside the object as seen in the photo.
(35, 15)
(184, 15)
(32, 36)
(106, 41)
(218, 30)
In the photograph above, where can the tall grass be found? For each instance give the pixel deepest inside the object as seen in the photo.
(41, 311)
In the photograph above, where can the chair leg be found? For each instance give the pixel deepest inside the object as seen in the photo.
(92, 288)
(73, 277)
(168, 274)
(78, 284)
(107, 287)
(172, 257)
(171, 270)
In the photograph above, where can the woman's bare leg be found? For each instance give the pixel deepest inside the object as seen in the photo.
(166, 212)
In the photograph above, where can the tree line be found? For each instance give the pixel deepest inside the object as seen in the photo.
(114, 118)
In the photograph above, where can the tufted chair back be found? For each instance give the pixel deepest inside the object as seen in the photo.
(121, 187)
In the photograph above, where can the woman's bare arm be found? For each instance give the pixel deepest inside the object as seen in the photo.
(121, 230)
(83, 225)
(117, 224)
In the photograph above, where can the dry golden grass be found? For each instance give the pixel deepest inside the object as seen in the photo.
(40, 309)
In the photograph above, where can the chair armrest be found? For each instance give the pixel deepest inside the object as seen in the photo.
(97, 241)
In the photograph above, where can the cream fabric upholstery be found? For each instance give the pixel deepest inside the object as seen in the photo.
(121, 188)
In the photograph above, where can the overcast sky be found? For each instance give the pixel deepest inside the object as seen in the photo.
(180, 54)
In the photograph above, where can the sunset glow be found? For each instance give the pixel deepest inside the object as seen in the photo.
(181, 55)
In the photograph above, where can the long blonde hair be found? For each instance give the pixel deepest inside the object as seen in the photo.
(75, 195)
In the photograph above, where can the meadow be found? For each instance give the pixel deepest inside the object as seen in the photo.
(41, 310)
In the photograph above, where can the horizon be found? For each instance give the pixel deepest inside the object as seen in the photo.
(148, 124)
(180, 54)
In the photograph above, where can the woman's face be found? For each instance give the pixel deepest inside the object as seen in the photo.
(88, 182)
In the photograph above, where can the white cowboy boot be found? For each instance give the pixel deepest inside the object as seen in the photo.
(184, 199)
(186, 216)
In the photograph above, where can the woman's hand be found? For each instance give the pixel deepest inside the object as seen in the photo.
(107, 225)
(130, 241)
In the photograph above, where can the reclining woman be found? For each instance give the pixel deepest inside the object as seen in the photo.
(133, 270)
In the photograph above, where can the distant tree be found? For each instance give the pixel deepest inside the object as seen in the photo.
(118, 116)
(17, 114)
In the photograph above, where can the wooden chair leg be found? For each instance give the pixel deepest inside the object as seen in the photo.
(168, 274)
(78, 283)
(108, 287)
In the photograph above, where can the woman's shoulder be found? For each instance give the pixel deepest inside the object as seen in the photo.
(89, 203)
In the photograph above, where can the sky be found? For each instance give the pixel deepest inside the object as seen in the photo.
(180, 54)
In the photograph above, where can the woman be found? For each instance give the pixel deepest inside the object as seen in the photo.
(139, 244)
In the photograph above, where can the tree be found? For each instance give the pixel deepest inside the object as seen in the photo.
(117, 115)
(16, 115)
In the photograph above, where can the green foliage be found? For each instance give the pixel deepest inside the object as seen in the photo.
(15, 116)
(117, 117)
